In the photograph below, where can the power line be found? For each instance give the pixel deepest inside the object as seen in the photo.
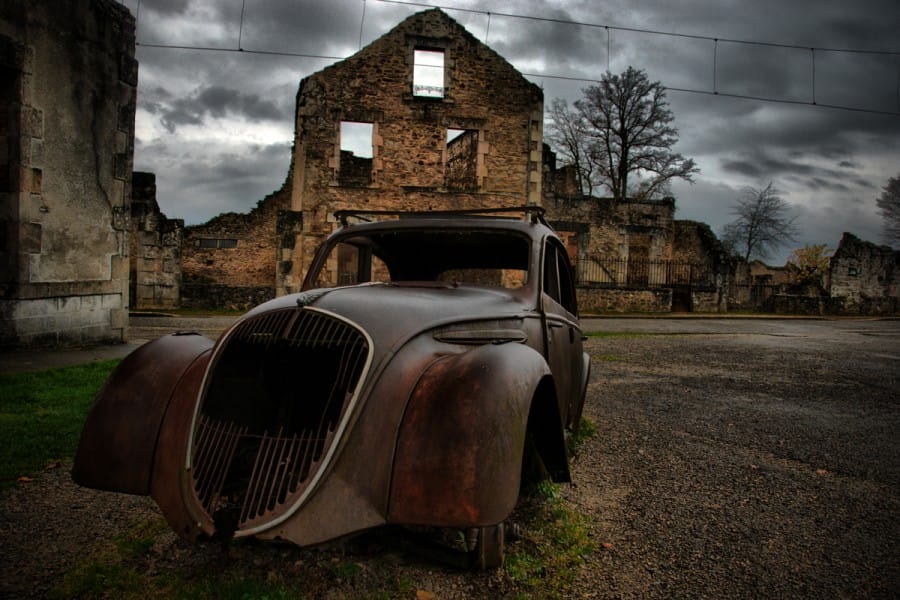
(738, 96)
(714, 92)
(641, 30)
(239, 51)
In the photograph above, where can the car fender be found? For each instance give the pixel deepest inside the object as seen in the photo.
(119, 437)
(459, 451)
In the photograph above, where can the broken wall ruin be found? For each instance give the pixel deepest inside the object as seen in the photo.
(68, 80)
(155, 249)
(633, 256)
(229, 261)
(449, 124)
(865, 278)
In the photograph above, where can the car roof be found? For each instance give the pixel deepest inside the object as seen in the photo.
(528, 220)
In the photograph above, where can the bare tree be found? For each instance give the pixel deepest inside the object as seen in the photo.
(763, 223)
(630, 135)
(889, 207)
(568, 136)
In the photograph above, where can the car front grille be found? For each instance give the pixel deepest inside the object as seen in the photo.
(276, 394)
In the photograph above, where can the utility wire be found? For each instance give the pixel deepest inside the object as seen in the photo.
(608, 28)
(738, 96)
(640, 30)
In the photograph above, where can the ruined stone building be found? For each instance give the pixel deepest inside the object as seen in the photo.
(445, 123)
(865, 278)
(229, 262)
(426, 117)
(633, 255)
(68, 79)
(429, 118)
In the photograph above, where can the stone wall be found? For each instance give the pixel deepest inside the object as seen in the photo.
(865, 278)
(227, 261)
(155, 249)
(67, 101)
(622, 230)
(217, 296)
(598, 300)
(480, 94)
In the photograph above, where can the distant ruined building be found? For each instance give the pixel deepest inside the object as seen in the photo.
(864, 278)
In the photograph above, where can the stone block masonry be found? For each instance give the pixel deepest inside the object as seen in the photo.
(471, 137)
(865, 278)
(67, 99)
(156, 243)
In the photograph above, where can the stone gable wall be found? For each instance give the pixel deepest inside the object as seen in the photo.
(483, 94)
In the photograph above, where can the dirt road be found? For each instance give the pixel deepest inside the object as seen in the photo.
(734, 458)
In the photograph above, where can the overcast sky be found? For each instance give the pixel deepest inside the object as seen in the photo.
(216, 126)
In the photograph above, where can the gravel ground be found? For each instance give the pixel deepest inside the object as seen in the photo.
(732, 459)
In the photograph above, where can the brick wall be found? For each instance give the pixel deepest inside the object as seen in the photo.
(596, 300)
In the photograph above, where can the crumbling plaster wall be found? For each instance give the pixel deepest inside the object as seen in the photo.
(66, 145)
(483, 93)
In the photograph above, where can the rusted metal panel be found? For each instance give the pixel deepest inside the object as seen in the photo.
(118, 440)
(170, 480)
(459, 452)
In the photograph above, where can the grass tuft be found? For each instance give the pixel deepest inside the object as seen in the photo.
(546, 563)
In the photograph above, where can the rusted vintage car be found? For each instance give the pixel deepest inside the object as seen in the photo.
(429, 364)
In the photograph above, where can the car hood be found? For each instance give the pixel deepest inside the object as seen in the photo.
(391, 313)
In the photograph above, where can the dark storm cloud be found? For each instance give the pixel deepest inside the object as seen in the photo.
(215, 181)
(564, 48)
(163, 7)
(217, 102)
(830, 163)
(321, 28)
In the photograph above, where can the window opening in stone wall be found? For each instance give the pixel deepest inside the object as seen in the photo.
(211, 243)
(356, 154)
(461, 168)
(428, 73)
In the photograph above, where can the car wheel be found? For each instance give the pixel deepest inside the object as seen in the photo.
(489, 547)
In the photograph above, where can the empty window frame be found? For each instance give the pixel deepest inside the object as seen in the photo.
(210, 243)
(356, 154)
(461, 163)
(428, 73)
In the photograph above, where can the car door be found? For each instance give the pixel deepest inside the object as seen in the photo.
(562, 331)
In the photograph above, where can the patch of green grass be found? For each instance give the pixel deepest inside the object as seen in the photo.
(586, 430)
(41, 415)
(607, 357)
(547, 562)
(119, 569)
(108, 572)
